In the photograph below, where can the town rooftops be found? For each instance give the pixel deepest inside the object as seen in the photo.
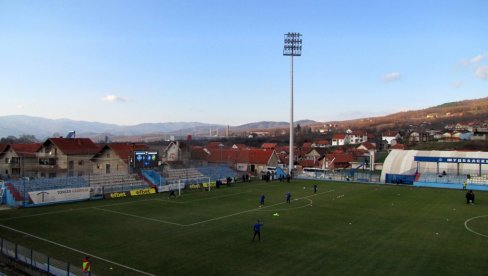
(74, 146)
(339, 136)
(25, 150)
(124, 150)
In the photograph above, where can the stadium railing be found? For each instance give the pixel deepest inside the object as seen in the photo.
(30, 260)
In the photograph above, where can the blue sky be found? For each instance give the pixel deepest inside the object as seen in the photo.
(130, 62)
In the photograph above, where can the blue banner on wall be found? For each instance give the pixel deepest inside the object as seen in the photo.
(451, 160)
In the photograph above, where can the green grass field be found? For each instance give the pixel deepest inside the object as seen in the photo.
(344, 229)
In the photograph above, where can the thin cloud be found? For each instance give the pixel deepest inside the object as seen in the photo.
(19, 106)
(113, 99)
(457, 84)
(482, 72)
(392, 76)
(475, 60)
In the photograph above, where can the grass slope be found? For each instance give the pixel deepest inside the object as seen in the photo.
(345, 229)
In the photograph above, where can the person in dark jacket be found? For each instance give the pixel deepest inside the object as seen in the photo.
(470, 197)
(257, 230)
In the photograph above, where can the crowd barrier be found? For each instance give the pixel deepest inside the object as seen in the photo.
(33, 261)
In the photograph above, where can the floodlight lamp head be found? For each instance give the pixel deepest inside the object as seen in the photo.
(293, 44)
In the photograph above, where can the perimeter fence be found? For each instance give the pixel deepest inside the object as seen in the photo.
(34, 262)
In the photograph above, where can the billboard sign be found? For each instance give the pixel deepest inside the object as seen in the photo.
(451, 160)
(59, 195)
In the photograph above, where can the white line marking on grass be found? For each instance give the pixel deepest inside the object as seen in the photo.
(117, 204)
(139, 217)
(251, 210)
(76, 250)
(75, 209)
(214, 197)
(291, 208)
(471, 230)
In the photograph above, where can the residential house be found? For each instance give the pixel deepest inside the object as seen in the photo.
(320, 144)
(335, 161)
(305, 163)
(198, 156)
(20, 160)
(367, 146)
(315, 154)
(480, 134)
(60, 157)
(115, 158)
(339, 139)
(357, 137)
(257, 160)
(389, 136)
(177, 151)
(246, 160)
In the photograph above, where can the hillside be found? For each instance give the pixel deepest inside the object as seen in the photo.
(434, 117)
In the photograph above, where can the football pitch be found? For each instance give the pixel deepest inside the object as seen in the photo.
(343, 229)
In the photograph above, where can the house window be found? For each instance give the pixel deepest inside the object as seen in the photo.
(71, 165)
(80, 173)
(6, 160)
(52, 175)
(107, 168)
(80, 162)
(108, 155)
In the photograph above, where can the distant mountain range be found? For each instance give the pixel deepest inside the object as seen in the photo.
(16, 125)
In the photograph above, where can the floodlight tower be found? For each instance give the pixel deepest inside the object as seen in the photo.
(293, 48)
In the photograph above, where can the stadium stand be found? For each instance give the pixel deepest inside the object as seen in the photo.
(153, 177)
(217, 172)
(109, 183)
(17, 190)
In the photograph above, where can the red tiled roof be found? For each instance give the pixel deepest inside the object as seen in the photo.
(255, 156)
(251, 156)
(124, 150)
(340, 158)
(25, 150)
(390, 133)
(368, 145)
(198, 153)
(321, 151)
(398, 146)
(269, 145)
(72, 146)
(3, 147)
(338, 136)
(240, 146)
(308, 163)
(307, 145)
(212, 145)
(322, 142)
